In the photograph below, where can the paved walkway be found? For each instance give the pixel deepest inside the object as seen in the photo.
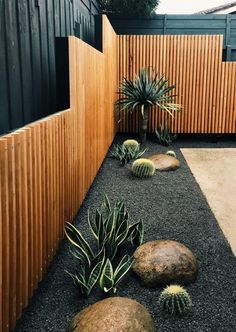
(215, 172)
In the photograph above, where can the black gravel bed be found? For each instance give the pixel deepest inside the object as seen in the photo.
(173, 207)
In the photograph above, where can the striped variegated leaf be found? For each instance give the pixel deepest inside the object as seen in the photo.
(106, 280)
(121, 270)
(133, 227)
(122, 232)
(77, 253)
(79, 281)
(94, 276)
(94, 224)
(107, 203)
(77, 239)
(111, 223)
(137, 235)
(101, 236)
(80, 250)
(105, 208)
(110, 246)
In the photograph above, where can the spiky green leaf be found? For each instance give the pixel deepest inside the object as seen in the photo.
(147, 89)
(106, 280)
(77, 239)
(94, 276)
(122, 269)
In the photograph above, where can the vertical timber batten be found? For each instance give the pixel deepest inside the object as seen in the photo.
(207, 91)
(46, 170)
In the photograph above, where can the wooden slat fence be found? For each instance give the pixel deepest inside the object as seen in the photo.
(205, 85)
(47, 167)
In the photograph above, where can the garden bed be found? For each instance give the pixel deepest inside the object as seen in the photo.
(173, 207)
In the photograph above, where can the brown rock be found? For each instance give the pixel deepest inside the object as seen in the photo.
(162, 262)
(164, 162)
(115, 314)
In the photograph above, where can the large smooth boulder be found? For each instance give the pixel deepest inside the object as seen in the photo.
(163, 162)
(115, 314)
(162, 262)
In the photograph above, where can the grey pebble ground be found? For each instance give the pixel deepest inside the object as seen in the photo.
(173, 207)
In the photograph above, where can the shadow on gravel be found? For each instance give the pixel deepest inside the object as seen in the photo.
(173, 207)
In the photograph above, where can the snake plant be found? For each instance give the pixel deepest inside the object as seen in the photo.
(111, 228)
(110, 278)
(86, 280)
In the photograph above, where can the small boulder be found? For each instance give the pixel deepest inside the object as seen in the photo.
(115, 314)
(162, 262)
(164, 162)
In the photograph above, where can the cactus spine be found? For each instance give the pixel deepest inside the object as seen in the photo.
(171, 153)
(175, 300)
(143, 168)
(132, 144)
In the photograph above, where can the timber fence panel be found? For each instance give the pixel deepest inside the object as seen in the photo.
(205, 86)
(46, 169)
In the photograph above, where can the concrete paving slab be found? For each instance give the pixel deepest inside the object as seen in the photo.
(215, 172)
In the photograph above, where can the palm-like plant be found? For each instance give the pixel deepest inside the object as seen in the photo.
(146, 90)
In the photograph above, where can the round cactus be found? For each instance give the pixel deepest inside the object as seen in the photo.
(143, 168)
(132, 144)
(175, 300)
(171, 153)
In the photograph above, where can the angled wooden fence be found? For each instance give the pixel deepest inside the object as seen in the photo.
(206, 86)
(47, 167)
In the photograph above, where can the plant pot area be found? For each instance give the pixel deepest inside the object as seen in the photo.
(177, 270)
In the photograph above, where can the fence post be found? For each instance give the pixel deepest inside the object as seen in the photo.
(228, 52)
(165, 25)
(228, 37)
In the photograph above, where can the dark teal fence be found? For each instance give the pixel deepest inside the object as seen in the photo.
(27, 54)
(183, 25)
(27, 48)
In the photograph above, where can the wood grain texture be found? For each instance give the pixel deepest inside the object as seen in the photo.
(205, 85)
(46, 169)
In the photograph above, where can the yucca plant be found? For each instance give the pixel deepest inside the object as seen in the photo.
(111, 228)
(146, 90)
(126, 153)
(110, 278)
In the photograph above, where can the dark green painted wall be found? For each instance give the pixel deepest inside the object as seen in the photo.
(183, 24)
(27, 54)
